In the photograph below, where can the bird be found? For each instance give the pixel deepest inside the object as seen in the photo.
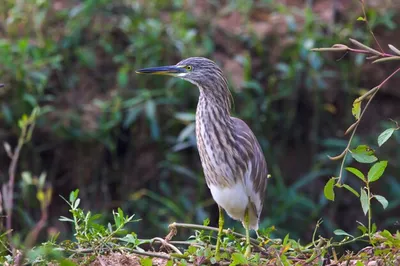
(233, 162)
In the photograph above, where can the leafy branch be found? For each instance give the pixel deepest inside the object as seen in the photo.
(26, 124)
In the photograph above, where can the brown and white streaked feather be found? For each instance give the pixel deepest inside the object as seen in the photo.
(231, 157)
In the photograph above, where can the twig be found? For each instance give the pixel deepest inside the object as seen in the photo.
(165, 243)
(143, 253)
(209, 228)
(9, 188)
(369, 27)
(33, 234)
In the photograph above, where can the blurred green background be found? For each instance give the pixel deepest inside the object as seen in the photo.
(128, 141)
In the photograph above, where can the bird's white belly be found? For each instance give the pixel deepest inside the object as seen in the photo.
(233, 200)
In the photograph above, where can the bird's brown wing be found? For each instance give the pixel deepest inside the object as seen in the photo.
(255, 176)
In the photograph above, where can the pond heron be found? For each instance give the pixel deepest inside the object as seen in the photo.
(233, 162)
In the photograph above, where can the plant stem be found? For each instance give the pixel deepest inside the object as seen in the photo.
(369, 211)
(10, 186)
(376, 89)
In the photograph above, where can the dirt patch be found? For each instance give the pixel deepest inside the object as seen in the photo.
(118, 259)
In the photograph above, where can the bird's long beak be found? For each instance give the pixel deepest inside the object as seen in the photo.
(162, 70)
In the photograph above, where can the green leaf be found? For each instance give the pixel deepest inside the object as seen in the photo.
(349, 188)
(364, 201)
(373, 229)
(206, 222)
(356, 110)
(359, 263)
(122, 76)
(340, 232)
(362, 228)
(356, 172)
(328, 189)
(67, 262)
(376, 171)
(146, 262)
(151, 113)
(285, 240)
(65, 219)
(363, 154)
(382, 200)
(385, 135)
(27, 177)
(76, 203)
(238, 259)
(73, 195)
(360, 19)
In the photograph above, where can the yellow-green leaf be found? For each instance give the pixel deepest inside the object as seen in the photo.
(238, 259)
(363, 154)
(356, 110)
(376, 171)
(328, 189)
(356, 172)
(349, 188)
(146, 262)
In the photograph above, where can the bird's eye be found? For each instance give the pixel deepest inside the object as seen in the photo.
(189, 68)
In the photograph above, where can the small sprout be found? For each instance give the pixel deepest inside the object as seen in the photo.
(334, 48)
(338, 157)
(348, 130)
(385, 59)
(394, 49)
(7, 148)
(363, 46)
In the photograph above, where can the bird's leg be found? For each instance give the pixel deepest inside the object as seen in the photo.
(220, 227)
(246, 226)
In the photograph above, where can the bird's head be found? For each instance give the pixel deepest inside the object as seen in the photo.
(197, 70)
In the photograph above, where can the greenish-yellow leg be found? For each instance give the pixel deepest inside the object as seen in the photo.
(246, 226)
(220, 227)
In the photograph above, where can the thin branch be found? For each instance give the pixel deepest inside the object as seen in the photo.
(9, 195)
(209, 228)
(347, 149)
(165, 243)
(369, 27)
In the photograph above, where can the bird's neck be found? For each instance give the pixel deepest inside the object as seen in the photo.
(214, 108)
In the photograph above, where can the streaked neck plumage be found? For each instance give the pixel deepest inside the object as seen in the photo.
(215, 135)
